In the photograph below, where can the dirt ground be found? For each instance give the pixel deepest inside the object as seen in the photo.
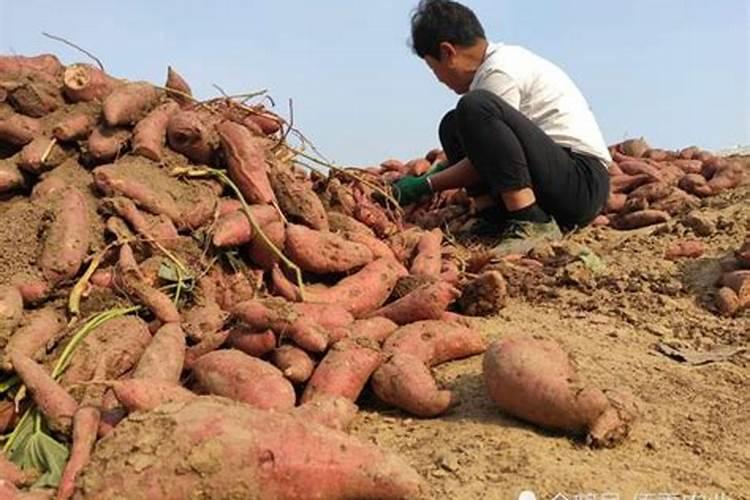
(692, 437)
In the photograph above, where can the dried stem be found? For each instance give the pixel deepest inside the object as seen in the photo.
(71, 44)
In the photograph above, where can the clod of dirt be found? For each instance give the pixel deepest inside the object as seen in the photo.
(485, 295)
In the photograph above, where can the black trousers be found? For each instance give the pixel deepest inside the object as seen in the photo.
(510, 152)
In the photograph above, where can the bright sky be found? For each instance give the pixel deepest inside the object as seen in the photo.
(674, 71)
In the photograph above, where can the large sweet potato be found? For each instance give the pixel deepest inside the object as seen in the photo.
(236, 375)
(294, 363)
(83, 82)
(18, 129)
(193, 133)
(106, 143)
(324, 252)
(434, 342)
(149, 134)
(297, 199)
(246, 162)
(128, 103)
(234, 228)
(67, 240)
(534, 380)
(695, 184)
(43, 63)
(133, 282)
(73, 126)
(31, 338)
(237, 451)
(427, 262)
(41, 154)
(252, 342)
(36, 94)
(428, 301)
(344, 370)
(163, 358)
(638, 219)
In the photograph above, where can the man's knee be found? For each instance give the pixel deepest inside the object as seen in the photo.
(476, 103)
(448, 127)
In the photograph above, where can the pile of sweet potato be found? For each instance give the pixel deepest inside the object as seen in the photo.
(733, 295)
(183, 258)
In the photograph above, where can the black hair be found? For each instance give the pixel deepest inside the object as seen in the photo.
(436, 21)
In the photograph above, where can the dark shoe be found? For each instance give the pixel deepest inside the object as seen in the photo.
(518, 237)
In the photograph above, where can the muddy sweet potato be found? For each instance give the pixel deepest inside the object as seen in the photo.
(40, 155)
(240, 377)
(234, 228)
(251, 342)
(342, 223)
(376, 328)
(427, 261)
(193, 133)
(43, 63)
(128, 103)
(638, 219)
(31, 337)
(534, 380)
(53, 401)
(695, 184)
(11, 311)
(132, 281)
(379, 248)
(74, 126)
(726, 177)
(651, 192)
(107, 143)
(83, 82)
(233, 447)
(18, 129)
(626, 183)
(36, 95)
(485, 295)
(344, 370)
(727, 301)
(177, 88)
(635, 167)
(149, 134)
(259, 253)
(246, 162)
(210, 342)
(323, 252)
(332, 412)
(690, 249)
(435, 342)
(615, 202)
(635, 148)
(164, 357)
(145, 395)
(426, 302)
(11, 178)
(739, 281)
(267, 122)
(85, 426)
(297, 199)
(158, 228)
(67, 239)
(294, 363)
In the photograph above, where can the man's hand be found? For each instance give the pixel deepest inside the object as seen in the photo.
(410, 189)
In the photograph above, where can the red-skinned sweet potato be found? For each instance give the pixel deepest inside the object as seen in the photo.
(332, 412)
(11, 177)
(651, 192)
(164, 357)
(85, 426)
(689, 249)
(294, 363)
(35, 94)
(128, 103)
(41, 154)
(634, 167)
(435, 342)
(695, 184)
(534, 380)
(377, 328)
(246, 162)
(417, 167)
(739, 281)
(113, 181)
(18, 129)
(259, 253)
(43, 63)
(177, 88)
(638, 219)
(67, 240)
(210, 342)
(74, 126)
(727, 301)
(31, 338)
(342, 223)
(426, 302)
(83, 82)
(344, 370)
(149, 135)
(267, 122)
(11, 311)
(626, 183)
(297, 199)
(132, 280)
(615, 202)
(308, 460)
(157, 228)
(250, 341)
(236, 375)
(725, 177)
(427, 262)
(145, 395)
(324, 252)
(193, 133)
(234, 228)
(106, 143)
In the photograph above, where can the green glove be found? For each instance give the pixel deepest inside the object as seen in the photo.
(436, 167)
(409, 189)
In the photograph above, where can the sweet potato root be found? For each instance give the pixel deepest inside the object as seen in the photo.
(342, 223)
(426, 302)
(627, 183)
(18, 129)
(67, 240)
(246, 162)
(176, 83)
(634, 167)
(158, 228)
(236, 375)
(377, 329)
(31, 338)
(85, 427)
(145, 395)
(641, 218)
(324, 252)
(378, 247)
(726, 177)
(210, 342)
(690, 249)
(251, 342)
(332, 412)
(11, 177)
(246, 442)
(297, 199)
(344, 370)
(128, 103)
(695, 184)
(113, 181)
(294, 363)
(262, 255)
(11, 311)
(727, 301)
(106, 143)
(41, 154)
(74, 126)
(83, 82)
(434, 342)
(36, 95)
(234, 228)
(739, 281)
(53, 401)
(43, 63)
(267, 122)
(150, 133)
(193, 133)
(651, 192)
(534, 380)
(163, 358)
(427, 262)
(131, 279)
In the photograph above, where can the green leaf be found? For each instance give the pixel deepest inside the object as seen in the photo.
(8, 383)
(168, 272)
(34, 449)
(592, 261)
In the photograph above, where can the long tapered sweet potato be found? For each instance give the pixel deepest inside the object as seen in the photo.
(163, 358)
(534, 380)
(294, 363)
(150, 133)
(244, 453)
(377, 328)
(246, 162)
(379, 248)
(157, 228)
(44, 63)
(83, 82)
(635, 167)
(234, 228)
(250, 341)
(193, 133)
(177, 88)
(11, 311)
(128, 103)
(435, 342)
(236, 375)
(31, 338)
(145, 395)
(11, 178)
(427, 262)
(107, 143)
(261, 254)
(53, 401)
(36, 94)
(67, 240)
(324, 252)
(134, 284)
(344, 370)
(85, 427)
(18, 129)
(638, 219)
(41, 154)
(113, 181)
(428, 301)
(73, 126)
(297, 199)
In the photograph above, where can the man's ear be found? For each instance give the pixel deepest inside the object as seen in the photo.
(447, 51)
